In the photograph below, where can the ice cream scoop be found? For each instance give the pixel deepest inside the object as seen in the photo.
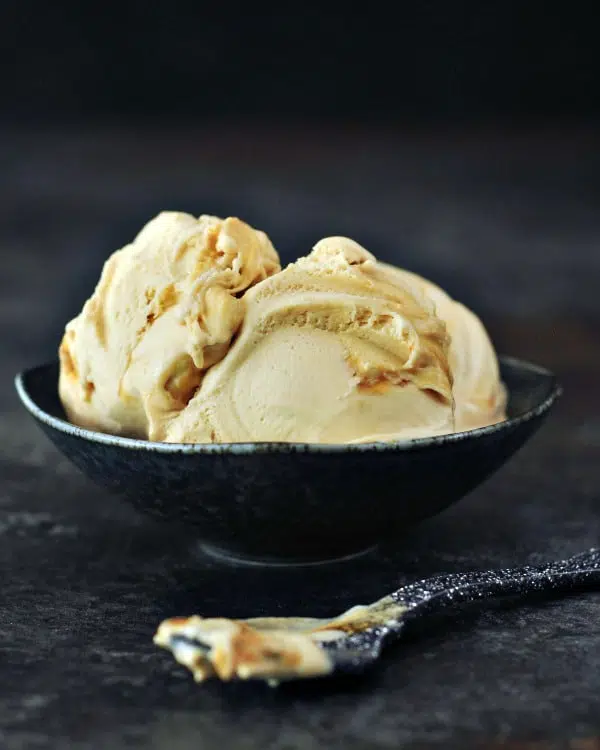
(195, 335)
(164, 311)
(330, 351)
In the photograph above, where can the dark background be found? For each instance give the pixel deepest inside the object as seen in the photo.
(457, 139)
(423, 62)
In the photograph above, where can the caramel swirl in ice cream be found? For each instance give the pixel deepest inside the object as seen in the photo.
(195, 334)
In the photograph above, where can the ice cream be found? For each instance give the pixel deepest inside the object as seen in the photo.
(164, 311)
(194, 334)
(330, 351)
(479, 395)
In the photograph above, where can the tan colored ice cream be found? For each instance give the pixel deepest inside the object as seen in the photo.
(330, 351)
(479, 395)
(163, 312)
(194, 335)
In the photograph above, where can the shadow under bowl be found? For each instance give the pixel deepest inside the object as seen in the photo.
(295, 502)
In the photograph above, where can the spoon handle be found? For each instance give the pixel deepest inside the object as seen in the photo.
(436, 594)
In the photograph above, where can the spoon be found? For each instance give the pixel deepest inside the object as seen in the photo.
(275, 649)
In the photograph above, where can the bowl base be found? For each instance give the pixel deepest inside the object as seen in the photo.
(233, 558)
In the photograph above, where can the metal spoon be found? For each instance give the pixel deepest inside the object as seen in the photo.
(276, 649)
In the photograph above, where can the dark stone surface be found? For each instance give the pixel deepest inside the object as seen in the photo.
(509, 223)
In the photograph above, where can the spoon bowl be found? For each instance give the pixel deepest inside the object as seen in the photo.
(293, 503)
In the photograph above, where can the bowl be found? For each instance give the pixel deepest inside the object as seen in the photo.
(295, 502)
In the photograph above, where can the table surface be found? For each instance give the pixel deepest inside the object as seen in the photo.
(507, 221)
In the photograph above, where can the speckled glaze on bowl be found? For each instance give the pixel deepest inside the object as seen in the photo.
(292, 502)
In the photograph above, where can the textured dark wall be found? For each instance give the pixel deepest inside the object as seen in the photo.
(433, 60)
(114, 111)
(508, 225)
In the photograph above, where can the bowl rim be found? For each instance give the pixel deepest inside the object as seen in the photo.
(61, 425)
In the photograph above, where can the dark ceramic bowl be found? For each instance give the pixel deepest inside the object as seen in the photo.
(295, 502)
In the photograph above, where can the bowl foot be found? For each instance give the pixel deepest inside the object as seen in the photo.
(233, 558)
